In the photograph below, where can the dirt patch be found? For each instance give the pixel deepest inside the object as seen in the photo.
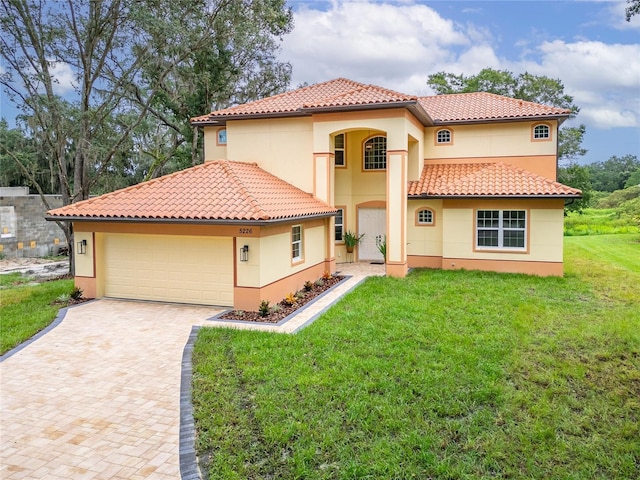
(37, 268)
(283, 308)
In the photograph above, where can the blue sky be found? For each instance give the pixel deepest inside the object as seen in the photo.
(588, 45)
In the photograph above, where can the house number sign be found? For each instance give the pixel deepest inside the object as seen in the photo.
(246, 231)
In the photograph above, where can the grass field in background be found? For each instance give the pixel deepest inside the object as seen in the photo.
(599, 221)
(443, 374)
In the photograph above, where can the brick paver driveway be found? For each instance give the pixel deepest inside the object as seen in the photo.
(98, 397)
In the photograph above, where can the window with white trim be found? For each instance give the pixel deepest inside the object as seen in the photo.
(375, 153)
(443, 136)
(296, 243)
(501, 229)
(541, 132)
(339, 221)
(338, 149)
(425, 217)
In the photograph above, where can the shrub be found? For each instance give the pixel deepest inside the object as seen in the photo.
(76, 293)
(308, 285)
(264, 308)
(319, 282)
(618, 197)
(64, 298)
(290, 299)
(326, 276)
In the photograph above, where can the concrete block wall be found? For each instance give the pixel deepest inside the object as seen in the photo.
(23, 230)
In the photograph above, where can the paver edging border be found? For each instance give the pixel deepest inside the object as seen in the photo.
(187, 448)
(56, 321)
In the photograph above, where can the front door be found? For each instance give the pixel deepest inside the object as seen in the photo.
(373, 223)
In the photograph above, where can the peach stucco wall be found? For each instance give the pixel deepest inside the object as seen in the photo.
(450, 242)
(490, 139)
(281, 146)
(545, 230)
(265, 276)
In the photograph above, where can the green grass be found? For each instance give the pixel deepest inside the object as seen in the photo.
(599, 221)
(25, 309)
(439, 375)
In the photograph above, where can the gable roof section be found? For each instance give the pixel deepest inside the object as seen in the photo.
(285, 103)
(485, 180)
(214, 192)
(477, 106)
(344, 94)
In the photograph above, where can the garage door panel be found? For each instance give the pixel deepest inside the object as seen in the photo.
(169, 268)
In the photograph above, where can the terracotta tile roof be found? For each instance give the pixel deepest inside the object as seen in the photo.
(341, 92)
(362, 95)
(485, 180)
(288, 102)
(217, 191)
(482, 106)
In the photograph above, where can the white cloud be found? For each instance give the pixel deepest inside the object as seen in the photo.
(604, 79)
(64, 78)
(371, 42)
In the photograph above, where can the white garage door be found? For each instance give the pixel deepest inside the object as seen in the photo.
(168, 268)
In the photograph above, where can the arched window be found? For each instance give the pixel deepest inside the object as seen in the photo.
(425, 216)
(375, 153)
(444, 136)
(541, 132)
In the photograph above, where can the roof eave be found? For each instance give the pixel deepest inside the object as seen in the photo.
(560, 117)
(360, 107)
(198, 221)
(454, 197)
(223, 119)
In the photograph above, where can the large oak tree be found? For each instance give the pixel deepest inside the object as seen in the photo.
(134, 72)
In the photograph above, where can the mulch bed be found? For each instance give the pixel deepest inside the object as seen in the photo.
(282, 309)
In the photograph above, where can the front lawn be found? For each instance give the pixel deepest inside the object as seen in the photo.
(439, 375)
(26, 308)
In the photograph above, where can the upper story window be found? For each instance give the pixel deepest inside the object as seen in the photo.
(541, 132)
(501, 229)
(221, 138)
(338, 148)
(339, 221)
(425, 216)
(444, 136)
(296, 243)
(375, 153)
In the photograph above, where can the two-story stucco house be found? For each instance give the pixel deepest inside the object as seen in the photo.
(463, 181)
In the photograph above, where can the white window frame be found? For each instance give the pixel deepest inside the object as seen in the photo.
(340, 151)
(379, 161)
(422, 221)
(502, 223)
(538, 135)
(444, 136)
(296, 243)
(339, 225)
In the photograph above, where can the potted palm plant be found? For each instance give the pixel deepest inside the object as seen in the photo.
(351, 240)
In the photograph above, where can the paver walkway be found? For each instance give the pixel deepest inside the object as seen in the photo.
(97, 397)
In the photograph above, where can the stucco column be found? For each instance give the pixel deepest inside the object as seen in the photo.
(396, 262)
(323, 189)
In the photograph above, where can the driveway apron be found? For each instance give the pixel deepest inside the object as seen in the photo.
(98, 396)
